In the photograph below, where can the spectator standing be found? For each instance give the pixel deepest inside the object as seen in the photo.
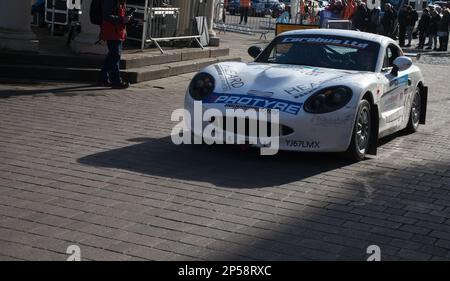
(224, 11)
(432, 31)
(244, 10)
(113, 31)
(374, 20)
(443, 30)
(423, 27)
(360, 17)
(402, 23)
(411, 20)
(338, 9)
(388, 20)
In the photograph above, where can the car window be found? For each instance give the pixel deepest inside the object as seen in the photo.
(392, 52)
(322, 51)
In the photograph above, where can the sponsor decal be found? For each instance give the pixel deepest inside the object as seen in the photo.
(303, 144)
(245, 101)
(229, 77)
(301, 90)
(306, 70)
(319, 40)
(400, 81)
(260, 93)
(331, 121)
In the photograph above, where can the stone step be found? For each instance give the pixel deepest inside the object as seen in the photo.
(129, 60)
(48, 73)
(141, 74)
(71, 61)
(134, 75)
(144, 59)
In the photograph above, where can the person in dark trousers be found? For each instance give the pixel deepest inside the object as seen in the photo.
(411, 19)
(431, 8)
(402, 23)
(113, 31)
(360, 17)
(244, 10)
(388, 20)
(432, 31)
(423, 26)
(443, 30)
(374, 20)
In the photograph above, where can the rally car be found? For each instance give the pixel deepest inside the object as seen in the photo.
(335, 90)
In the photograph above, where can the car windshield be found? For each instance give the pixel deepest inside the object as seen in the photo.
(322, 51)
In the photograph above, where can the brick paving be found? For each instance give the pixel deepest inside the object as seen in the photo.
(96, 168)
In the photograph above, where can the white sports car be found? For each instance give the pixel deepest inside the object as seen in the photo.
(335, 90)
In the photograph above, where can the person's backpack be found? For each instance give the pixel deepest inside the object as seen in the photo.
(96, 12)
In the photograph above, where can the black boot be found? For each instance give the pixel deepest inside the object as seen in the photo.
(121, 85)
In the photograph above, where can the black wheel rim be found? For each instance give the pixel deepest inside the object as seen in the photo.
(415, 109)
(363, 130)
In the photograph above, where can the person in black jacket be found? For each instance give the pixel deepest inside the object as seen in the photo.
(424, 25)
(411, 20)
(402, 23)
(360, 17)
(432, 31)
(443, 30)
(374, 20)
(388, 20)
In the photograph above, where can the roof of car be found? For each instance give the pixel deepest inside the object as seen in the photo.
(342, 32)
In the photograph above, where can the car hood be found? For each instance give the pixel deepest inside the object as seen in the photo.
(288, 82)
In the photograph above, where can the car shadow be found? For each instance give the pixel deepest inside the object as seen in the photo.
(222, 165)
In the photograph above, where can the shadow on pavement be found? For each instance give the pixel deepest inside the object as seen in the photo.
(86, 90)
(339, 231)
(223, 166)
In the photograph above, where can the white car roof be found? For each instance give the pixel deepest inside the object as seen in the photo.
(382, 40)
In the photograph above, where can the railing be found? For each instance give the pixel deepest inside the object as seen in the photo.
(156, 21)
(228, 16)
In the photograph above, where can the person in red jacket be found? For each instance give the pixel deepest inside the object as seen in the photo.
(113, 31)
(245, 9)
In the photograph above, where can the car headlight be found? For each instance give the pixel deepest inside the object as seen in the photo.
(328, 100)
(202, 85)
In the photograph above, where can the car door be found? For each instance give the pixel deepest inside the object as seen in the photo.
(394, 94)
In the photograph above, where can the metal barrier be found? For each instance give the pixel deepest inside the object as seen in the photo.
(230, 17)
(156, 21)
(56, 13)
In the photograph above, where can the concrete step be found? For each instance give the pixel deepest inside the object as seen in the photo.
(129, 60)
(50, 73)
(134, 75)
(71, 61)
(145, 59)
(148, 73)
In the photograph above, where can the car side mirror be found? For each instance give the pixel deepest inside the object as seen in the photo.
(254, 51)
(401, 63)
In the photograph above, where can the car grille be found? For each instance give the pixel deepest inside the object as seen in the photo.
(283, 130)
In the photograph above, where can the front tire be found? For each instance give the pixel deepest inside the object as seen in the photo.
(414, 115)
(361, 136)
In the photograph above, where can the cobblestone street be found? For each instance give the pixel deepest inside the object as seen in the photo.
(96, 168)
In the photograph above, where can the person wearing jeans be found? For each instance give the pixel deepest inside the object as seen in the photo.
(443, 30)
(432, 32)
(244, 10)
(423, 27)
(411, 20)
(402, 23)
(113, 31)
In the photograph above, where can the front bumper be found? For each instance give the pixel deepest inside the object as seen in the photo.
(330, 132)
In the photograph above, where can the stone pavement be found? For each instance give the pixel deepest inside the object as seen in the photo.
(96, 168)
